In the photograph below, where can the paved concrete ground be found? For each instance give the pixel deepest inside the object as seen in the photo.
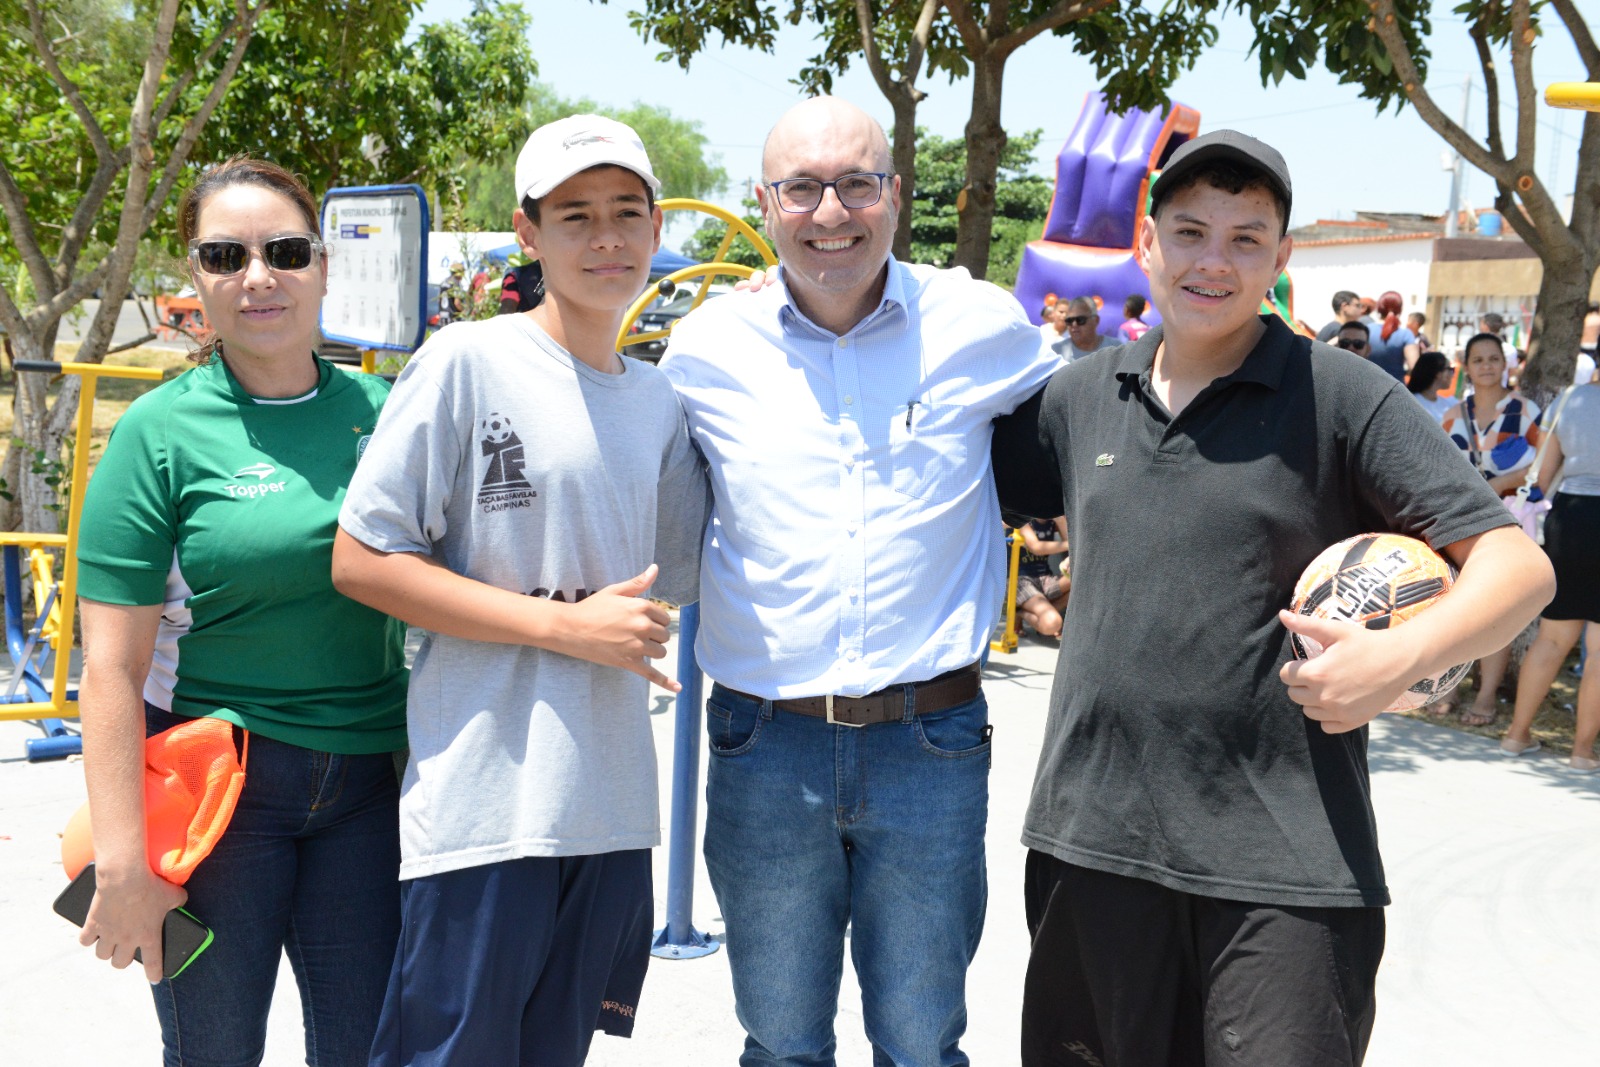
(1493, 957)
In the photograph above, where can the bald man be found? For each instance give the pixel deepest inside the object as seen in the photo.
(853, 571)
(1083, 336)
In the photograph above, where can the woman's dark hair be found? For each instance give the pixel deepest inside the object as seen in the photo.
(1426, 371)
(241, 170)
(1389, 304)
(1466, 350)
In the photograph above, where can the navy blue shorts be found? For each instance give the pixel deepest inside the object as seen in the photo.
(517, 962)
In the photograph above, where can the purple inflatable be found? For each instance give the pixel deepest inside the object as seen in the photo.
(1103, 175)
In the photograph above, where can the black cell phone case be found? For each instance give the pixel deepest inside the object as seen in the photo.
(183, 937)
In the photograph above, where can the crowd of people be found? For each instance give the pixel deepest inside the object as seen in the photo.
(457, 862)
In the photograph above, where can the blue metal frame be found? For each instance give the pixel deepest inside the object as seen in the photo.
(58, 741)
(679, 940)
(422, 290)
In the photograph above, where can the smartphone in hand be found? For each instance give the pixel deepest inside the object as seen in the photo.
(183, 937)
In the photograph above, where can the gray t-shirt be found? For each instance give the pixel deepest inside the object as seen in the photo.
(508, 461)
(1578, 430)
(1070, 352)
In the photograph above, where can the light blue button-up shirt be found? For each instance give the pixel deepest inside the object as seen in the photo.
(855, 539)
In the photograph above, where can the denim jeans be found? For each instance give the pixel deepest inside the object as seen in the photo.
(811, 827)
(310, 865)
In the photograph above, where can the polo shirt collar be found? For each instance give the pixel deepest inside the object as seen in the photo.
(1264, 365)
(894, 296)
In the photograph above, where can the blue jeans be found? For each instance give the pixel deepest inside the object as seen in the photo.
(310, 863)
(811, 827)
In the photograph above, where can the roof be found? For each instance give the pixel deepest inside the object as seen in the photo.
(1369, 227)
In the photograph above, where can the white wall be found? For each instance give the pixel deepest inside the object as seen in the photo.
(1367, 268)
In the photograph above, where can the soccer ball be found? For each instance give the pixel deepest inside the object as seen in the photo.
(496, 428)
(1378, 580)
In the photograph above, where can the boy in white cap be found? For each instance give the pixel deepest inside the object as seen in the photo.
(522, 487)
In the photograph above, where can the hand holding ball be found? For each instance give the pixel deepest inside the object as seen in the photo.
(1378, 581)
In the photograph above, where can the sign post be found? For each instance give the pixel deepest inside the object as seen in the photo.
(377, 239)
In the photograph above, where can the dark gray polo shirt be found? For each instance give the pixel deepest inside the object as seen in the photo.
(1173, 752)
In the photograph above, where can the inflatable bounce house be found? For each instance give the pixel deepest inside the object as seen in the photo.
(1103, 178)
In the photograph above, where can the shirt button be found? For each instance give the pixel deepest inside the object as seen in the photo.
(848, 399)
(852, 592)
(844, 342)
(853, 527)
(850, 655)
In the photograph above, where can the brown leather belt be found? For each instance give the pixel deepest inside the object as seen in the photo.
(889, 704)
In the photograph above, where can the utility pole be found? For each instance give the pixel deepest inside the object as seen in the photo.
(1450, 225)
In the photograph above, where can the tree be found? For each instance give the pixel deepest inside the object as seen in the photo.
(1568, 250)
(1022, 200)
(423, 111)
(677, 150)
(114, 105)
(68, 101)
(1137, 52)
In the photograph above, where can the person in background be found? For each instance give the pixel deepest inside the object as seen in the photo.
(1041, 593)
(1133, 326)
(1346, 308)
(1588, 340)
(1494, 323)
(1415, 322)
(1083, 337)
(1498, 431)
(1054, 327)
(1431, 373)
(207, 542)
(1571, 532)
(1354, 337)
(1394, 348)
(522, 289)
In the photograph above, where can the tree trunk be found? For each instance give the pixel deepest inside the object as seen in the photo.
(986, 140)
(905, 164)
(1557, 325)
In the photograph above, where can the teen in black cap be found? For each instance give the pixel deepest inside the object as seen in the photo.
(1204, 885)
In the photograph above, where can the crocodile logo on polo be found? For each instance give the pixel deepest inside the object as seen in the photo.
(503, 485)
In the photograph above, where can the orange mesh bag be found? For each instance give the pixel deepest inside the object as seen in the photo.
(192, 781)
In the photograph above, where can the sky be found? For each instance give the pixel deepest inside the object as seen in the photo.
(1343, 156)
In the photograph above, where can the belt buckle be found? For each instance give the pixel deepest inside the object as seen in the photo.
(827, 702)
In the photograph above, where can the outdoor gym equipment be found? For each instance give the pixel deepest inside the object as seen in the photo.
(41, 654)
(678, 939)
(1579, 96)
(717, 267)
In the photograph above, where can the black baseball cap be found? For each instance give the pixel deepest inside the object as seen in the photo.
(1228, 146)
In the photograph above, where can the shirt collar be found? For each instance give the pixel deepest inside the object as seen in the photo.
(1264, 365)
(894, 296)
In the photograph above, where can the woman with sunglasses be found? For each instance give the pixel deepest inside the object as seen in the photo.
(1497, 429)
(204, 568)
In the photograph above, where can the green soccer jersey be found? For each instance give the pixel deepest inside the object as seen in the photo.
(222, 508)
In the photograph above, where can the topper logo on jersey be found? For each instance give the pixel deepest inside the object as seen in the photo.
(503, 486)
(260, 487)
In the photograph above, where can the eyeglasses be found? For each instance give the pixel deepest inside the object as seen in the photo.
(222, 256)
(1075, 320)
(799, 195)
(1350, 345)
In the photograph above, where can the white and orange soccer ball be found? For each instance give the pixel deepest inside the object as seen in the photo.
(1378, 580)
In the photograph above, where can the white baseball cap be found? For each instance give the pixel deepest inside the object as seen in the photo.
(558, 150)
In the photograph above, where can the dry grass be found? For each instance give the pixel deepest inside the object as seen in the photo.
(1554, 725)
